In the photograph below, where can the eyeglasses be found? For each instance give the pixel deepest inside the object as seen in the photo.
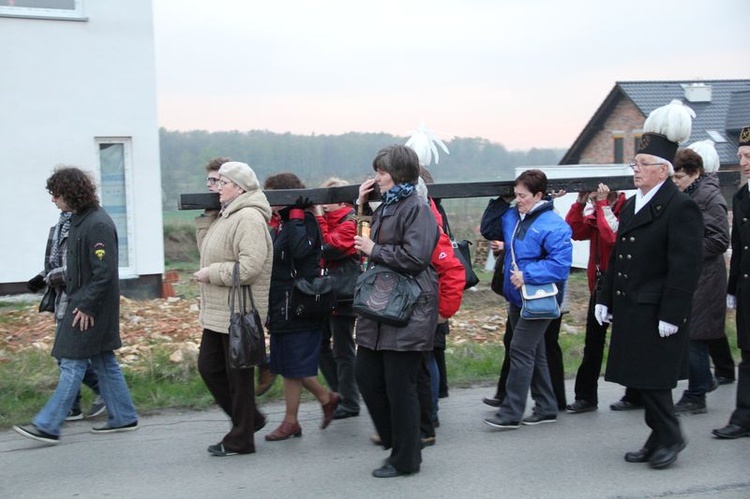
(641, 165)
(224, 183)
(212, 180)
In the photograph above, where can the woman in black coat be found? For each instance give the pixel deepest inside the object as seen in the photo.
(709, 304)
(295, 341)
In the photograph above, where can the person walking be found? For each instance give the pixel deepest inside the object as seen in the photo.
(738, 296)
(648, 288)
(89, 330)
(239, 233)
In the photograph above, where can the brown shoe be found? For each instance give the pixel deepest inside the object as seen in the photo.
(284, 431)
(265, 380)
(329, 408)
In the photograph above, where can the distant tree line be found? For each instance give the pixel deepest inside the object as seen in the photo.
(314, 158)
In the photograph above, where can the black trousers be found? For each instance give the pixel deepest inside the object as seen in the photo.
(424, 391)
(741, 414)
(554, 361)
(232, 389)
(587, 377)
(388, 384)
(660, 417)
(721, 355)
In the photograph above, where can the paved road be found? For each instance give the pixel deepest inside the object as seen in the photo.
(580, 456)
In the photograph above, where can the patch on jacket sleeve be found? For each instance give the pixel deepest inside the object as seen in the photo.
(99, 250)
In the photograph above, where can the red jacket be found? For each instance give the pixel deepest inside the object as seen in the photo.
(338, 229)
(451, 274)
(599, 228)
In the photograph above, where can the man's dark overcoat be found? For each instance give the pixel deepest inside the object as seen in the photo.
(652, 275)
(739, 266)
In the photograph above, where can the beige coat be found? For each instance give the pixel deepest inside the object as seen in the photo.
(241, 234)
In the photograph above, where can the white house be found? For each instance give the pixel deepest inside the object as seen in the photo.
(79, 88)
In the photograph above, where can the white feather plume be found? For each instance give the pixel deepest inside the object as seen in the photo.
(423, 142)
(707, 151)
(673, 121)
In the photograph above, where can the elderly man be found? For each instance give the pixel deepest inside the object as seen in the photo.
(738, 295)
(648, 287)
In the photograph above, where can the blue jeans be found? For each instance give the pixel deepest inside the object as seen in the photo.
(112, 385)
(699, 378)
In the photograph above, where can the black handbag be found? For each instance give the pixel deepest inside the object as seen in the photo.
(386, 296)
(344, 276)
(313, 298)
(247, 341)
(463, 253)
(48, 300)
(498, 275)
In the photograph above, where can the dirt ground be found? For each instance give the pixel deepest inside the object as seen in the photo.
(172, 323)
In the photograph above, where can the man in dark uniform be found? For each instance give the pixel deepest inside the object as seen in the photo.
(738, 295)
(648, 288)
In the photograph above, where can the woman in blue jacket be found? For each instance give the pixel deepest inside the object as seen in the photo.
(540, 241)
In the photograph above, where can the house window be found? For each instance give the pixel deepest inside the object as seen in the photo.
(44, 9)
(636, 143)
(115, 173)
(618, 150)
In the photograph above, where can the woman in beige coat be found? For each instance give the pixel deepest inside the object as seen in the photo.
(238, 233)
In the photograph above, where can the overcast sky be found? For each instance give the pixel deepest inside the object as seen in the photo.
(524, 74)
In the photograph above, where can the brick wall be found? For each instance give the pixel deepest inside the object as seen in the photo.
(626, 121)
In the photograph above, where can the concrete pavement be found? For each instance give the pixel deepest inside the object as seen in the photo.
(579, 456)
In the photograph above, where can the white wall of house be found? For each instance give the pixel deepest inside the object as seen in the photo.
(68, 88)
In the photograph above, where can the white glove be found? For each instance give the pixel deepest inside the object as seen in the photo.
(666, 329)
(731, 302)
(602, 315)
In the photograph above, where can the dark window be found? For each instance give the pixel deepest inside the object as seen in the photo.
(618, 152)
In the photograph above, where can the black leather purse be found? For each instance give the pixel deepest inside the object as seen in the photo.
(463, 253)
(247, 341)
(386, 296)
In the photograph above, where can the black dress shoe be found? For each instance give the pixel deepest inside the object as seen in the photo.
(723, 380)
(388, 471)
(639, 456)
(663, 456)
(341, 413)
(580, 406)
(625, 405)
(492, 401)
(732, 431)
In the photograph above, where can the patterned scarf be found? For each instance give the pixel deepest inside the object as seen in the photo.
(397, 193)
(60, 234)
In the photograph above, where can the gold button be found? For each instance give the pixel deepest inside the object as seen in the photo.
(632, 239)
(617, 293)
(628, 257)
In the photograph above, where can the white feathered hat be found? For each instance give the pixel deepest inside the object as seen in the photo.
(707, 152)
(664, 129)
(423, 143)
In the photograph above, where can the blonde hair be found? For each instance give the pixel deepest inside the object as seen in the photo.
(334, 182)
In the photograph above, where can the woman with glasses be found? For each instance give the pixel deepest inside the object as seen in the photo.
(238, 234)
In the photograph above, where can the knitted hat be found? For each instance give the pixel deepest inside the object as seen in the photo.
(745, 136)
(241, 174)
(664, 129)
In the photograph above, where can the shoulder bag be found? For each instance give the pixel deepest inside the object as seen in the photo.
(539, 300)
(247, 342)
(312, 297)
(463, 253)
(386, 296)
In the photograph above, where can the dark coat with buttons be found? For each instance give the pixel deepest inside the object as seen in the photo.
(93, 286)
(652, 275)
(739, 266)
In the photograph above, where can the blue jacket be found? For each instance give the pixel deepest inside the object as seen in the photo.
(542, 245)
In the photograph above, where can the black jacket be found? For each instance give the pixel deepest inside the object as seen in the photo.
(92, 284)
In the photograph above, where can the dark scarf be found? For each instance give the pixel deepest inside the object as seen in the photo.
(397, 193)
(60, 234)
(689, 190)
